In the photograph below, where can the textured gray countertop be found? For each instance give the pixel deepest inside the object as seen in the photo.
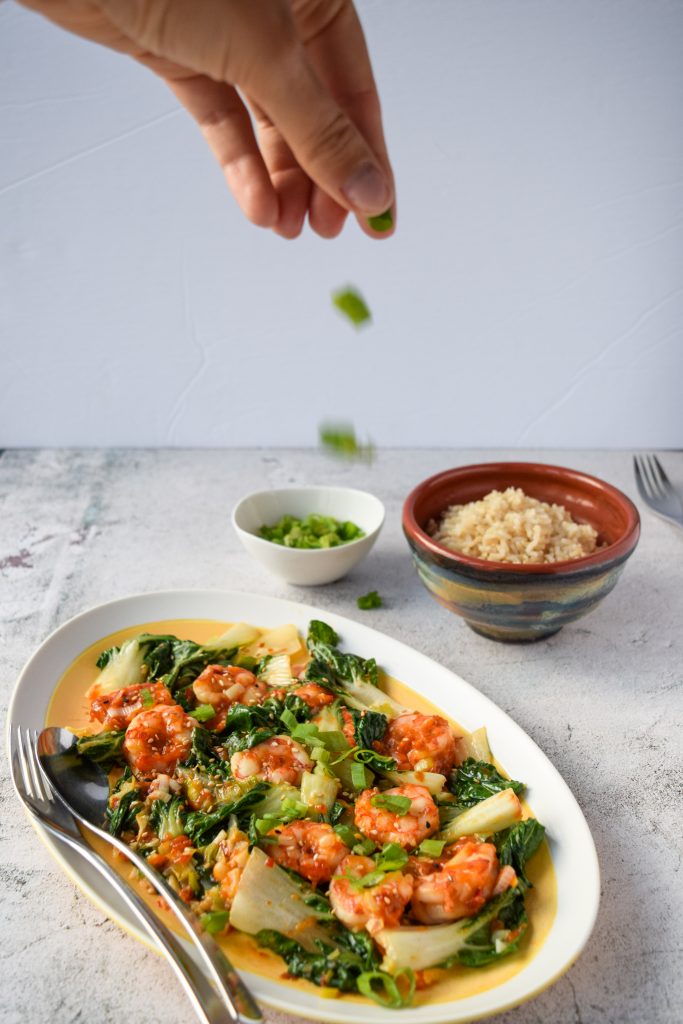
(601, 698)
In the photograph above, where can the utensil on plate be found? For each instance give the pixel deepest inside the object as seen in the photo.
(84, 787)
(37, 796)
(656, 489)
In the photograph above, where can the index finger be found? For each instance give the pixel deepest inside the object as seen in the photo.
(334, 39)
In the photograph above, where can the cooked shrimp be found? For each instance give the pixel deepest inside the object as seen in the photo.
(279, 759)
(233, 853)
(317, 697)
(373, 907)
(420, 743)
(311, 848)
(116, 710)
(385, 825)
(348, 726)
(507, 877)
(460, 885)
(223, 685)
(157, 739)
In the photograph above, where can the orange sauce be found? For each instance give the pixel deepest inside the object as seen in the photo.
(69, 708)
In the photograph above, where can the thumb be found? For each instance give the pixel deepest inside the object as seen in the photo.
(324, 140)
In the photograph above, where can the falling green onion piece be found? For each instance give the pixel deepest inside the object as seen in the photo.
(371, 600)
(340, 439)
(349, 302)
(382, 222)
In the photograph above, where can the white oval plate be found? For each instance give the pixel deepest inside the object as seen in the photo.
(571, 844)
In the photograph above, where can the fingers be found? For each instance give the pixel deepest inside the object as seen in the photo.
(256, 47)
(331, 32)
(292, 186)
(325, 216)
(323, 138)
(324, 141)
(227, 128)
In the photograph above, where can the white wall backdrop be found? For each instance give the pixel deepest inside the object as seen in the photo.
(532, 296)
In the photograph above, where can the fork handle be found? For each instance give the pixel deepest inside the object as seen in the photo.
(236, 997)
(208, 1007)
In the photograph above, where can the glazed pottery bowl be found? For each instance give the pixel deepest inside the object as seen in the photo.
(308, 567)
(521, 602)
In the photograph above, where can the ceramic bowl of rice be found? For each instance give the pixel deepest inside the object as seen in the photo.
(519, 549)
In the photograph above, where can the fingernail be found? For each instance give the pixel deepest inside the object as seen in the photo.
(367, 190)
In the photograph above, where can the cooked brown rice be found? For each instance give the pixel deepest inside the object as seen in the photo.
(509, 526)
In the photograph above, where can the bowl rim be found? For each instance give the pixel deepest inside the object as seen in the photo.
(308, 552)
(617, 549)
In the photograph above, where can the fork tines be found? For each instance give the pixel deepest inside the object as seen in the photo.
(652, 472)
(656, 489)
(27, 761)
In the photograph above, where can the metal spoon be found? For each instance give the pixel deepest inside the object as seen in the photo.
(84, 788)
(48, 808)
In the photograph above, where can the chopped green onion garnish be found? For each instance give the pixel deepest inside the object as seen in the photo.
(335, 741)
(289, 719)
(379, 761)
(146, 698)
(371, 600)
(291, 810)
(295, 808)
(203, 712)
(349, 302)
(215, 922)
(432, 847)
(391, 857)
(365, 881)
(382, 222)
(314, 531)
(306, 731)
(321, 756)
(347, 834)
(364, 848)
(360, 777)
(399, 805)
(384, 989)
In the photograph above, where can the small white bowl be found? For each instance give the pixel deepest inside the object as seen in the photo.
(308, 567)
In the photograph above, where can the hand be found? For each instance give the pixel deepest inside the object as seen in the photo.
(299, 67)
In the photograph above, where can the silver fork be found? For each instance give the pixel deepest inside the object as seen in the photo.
(47, 808)
(656, 489)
